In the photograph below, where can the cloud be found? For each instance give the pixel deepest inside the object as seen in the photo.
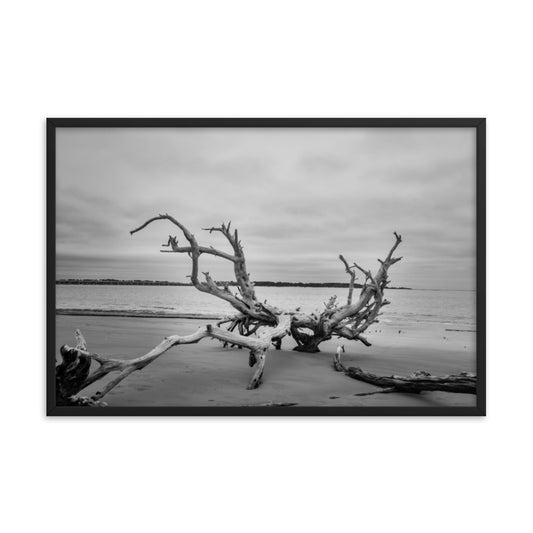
(299, 197)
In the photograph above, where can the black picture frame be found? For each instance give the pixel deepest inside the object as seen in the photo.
(478, 123)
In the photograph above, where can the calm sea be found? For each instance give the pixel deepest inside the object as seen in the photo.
(449, 308)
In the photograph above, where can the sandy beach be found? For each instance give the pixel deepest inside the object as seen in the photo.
(206, 374)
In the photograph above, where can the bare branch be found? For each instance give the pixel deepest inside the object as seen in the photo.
(351, 273)
(258, 346)
(365, 272)
(80, 340)
(244, 284)
(369, 290)
(247, 303)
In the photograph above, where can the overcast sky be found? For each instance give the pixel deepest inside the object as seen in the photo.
(298, 196)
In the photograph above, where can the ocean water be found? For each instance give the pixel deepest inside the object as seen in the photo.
(448, 309)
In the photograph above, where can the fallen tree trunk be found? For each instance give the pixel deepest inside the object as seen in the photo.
(417, 382)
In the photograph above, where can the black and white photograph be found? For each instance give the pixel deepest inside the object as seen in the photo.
(287, 268)
(265, 266)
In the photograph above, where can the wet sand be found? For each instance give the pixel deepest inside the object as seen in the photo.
(206, 374)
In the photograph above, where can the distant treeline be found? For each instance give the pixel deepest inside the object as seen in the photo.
(178, 284)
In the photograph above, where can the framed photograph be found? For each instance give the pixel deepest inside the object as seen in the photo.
(265, 267)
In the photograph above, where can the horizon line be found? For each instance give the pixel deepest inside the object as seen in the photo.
(148, 282)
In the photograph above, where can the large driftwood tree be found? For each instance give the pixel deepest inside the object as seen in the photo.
(348, 320)
(255, 325)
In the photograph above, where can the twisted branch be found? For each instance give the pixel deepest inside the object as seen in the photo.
(365, 311)
(246, 302)
(71, 381)
(351, 273)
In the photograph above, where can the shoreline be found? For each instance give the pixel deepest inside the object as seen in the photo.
(133, 313)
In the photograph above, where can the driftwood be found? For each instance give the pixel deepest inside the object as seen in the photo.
(309, 330)
(72, 375)
(73, 371)
(419, 381)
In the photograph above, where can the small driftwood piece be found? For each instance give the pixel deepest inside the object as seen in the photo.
(417, 382)
(337, 365)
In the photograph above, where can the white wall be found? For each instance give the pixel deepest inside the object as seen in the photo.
(410, 58)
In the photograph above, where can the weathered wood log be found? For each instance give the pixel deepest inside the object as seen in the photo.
(420, 381)
(415, 383)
